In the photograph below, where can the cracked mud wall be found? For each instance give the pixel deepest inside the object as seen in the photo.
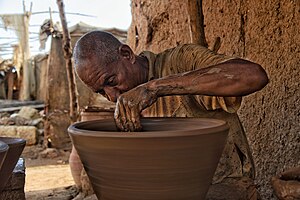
(263, 31)
(158, 25)
(266, 32)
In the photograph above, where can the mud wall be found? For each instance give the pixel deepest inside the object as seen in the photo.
(158, 25)
(266, 32)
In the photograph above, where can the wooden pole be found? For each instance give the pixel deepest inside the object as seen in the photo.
(10, 81)
(25, 75)
(74, 109)
(196, 19)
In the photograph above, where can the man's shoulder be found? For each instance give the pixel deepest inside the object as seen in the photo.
(177, 49)
(186, 50)
(187, 47)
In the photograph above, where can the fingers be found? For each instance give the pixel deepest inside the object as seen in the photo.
(128, 110)
(120, 115)
(127, 115)
(135, 120)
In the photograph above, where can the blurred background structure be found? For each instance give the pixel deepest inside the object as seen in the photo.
(263, 31)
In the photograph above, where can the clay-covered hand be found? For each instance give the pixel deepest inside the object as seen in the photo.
(130, 105)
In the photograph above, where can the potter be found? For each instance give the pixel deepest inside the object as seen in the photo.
(185, 81)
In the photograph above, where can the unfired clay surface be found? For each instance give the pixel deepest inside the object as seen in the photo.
(172, 158)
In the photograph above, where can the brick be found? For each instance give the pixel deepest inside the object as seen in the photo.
(28, 112)
(29, 133)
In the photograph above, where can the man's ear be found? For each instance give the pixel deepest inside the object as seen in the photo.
(126, 52)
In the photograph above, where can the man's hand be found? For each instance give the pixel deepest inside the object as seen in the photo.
(130, 105)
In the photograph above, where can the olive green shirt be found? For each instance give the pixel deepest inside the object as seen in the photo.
(236, 160)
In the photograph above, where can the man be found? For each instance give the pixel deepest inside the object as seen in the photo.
(186, 81)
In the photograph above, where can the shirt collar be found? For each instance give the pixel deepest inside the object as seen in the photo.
(151, 57)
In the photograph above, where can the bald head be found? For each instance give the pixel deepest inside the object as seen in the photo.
(96, 44)
(107, 66)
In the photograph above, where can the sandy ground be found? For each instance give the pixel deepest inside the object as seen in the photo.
(48, 175)
(47, 179)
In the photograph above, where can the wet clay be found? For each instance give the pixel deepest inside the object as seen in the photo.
(172, 158)
(286, 185)
(16, 146)
(3, 151)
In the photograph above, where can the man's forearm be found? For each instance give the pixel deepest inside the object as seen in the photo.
(235, 77)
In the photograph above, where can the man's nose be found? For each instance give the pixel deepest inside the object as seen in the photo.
(112, 94)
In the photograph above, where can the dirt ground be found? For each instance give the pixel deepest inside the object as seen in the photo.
(48, 175)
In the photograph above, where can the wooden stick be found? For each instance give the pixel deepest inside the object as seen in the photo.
(197, 28)
(68, 57)
(10, 84)
(70, 13)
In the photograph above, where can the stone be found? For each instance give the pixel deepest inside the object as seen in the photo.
(87, 188)
(50, 153)
(29, 133)
(28, 112)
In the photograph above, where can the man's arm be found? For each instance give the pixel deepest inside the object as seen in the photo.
(236, 77)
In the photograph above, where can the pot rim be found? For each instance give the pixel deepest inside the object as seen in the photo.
(220, 126)
(3, 147)
(13, 141)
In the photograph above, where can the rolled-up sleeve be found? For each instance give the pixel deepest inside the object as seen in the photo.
(228, 104)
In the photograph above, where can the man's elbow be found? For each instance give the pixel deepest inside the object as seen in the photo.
(260, 77)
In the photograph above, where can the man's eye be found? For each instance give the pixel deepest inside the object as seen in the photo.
(100, 92)
(111, 81)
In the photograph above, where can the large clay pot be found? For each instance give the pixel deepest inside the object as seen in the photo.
(16, 146)
(173, 158)
(78, 173)
(3, 151)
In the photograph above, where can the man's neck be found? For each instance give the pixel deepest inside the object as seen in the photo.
(143, 63)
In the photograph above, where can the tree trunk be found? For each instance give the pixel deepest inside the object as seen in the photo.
(57, 100)
(27, 79)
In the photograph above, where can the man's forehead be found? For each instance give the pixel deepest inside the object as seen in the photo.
(92, 74)
(90, 66)
(92, 61)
